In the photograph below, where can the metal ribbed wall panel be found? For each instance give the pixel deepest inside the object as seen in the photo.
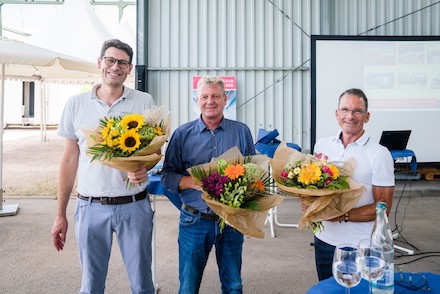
(265, 44)
(384, 18)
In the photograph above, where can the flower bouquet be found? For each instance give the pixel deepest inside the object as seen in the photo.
(236, 189)
(129, 142)
(324, 187)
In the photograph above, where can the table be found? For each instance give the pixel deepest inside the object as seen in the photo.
(156, 188)
(330, 286)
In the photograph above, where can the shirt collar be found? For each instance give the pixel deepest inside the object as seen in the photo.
(125, 94)
(202, 127)
(361, 141)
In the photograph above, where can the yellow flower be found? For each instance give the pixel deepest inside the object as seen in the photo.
(310, 174)
(132, 121)
(114, 133)
(129, 141)
(234, 171)
(334, 170)
(159, 131)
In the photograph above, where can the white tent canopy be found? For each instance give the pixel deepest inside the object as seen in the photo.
(75, 30)
(19, 59)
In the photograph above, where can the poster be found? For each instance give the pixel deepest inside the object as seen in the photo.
(230, 111)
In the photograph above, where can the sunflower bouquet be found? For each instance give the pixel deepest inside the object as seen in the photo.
(237, 189)
(131, 141)
(322, 186)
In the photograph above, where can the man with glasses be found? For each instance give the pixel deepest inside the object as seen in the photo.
(374, 169)
(105, 204)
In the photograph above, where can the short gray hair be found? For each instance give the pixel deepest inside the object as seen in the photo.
(356, 92)
(211, 81)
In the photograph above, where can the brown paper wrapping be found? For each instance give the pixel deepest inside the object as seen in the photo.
(248, 222)
(323, 204)
(147, 157)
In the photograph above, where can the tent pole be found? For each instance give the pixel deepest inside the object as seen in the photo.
(10, 209)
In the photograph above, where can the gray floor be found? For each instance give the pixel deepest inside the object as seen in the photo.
(284, 264)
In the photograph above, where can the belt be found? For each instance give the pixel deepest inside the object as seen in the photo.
(116, 200)
(202, 215)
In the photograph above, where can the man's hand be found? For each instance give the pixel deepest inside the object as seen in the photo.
(59, 231)
(137, 177)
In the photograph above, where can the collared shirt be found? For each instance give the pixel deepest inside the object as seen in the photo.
(192, 144)
(83, 112)
(374, 167)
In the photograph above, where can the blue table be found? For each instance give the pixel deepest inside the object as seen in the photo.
(156, 188)
(330, 286)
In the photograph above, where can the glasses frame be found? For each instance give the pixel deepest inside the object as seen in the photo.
(408, 284)
(123, 64)
(354, 112)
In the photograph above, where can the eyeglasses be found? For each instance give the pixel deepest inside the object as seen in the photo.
(413, 281)
(355, 112)
(110, 61)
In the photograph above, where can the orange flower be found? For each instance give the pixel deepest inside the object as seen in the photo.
(259, 185)
(234, 171)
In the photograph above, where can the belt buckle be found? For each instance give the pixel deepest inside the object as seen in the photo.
(104, 200)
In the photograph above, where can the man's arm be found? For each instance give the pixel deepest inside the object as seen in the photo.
(66, 180)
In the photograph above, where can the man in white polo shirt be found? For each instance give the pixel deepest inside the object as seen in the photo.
(374, 169)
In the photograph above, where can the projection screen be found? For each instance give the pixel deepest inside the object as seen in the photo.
(400, 76)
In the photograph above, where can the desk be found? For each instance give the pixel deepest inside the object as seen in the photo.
(406, 153)
(156, 188)
(330, 286)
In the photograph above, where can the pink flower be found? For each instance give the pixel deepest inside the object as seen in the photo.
(284, 174)
(321, 156)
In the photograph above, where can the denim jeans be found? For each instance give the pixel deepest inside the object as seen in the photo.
(196, 238)
(132, 224)
(323, 259)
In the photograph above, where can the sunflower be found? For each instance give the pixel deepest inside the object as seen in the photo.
(132, 121)
(129, 141)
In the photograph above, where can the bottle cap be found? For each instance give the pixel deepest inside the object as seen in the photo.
(381, 205)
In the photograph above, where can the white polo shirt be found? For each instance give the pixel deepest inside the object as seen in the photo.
(374, 167)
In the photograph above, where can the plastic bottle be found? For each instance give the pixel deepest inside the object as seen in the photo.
(381, 237)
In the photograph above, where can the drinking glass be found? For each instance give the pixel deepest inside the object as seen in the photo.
(346, 269)
(372, 262)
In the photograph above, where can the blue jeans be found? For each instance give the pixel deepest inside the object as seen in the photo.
(323, 259)
(132, 224)
(196, 238)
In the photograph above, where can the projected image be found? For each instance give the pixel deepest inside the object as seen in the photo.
(411, 53)
(433, 53)
(380, 54)
(379, 80)
(412, 80)
(435, 82)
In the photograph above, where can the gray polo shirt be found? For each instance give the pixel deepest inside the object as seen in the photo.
(83, 111)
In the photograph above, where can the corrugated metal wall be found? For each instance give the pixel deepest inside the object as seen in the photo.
(266, 45)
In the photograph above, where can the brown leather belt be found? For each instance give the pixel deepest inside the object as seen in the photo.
(202, 215)
(116, 200)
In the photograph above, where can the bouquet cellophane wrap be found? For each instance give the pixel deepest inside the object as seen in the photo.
(146, 157)
(323, 204)
(248, 222)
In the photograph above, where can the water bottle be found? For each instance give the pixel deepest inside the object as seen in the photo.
(381, 237)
